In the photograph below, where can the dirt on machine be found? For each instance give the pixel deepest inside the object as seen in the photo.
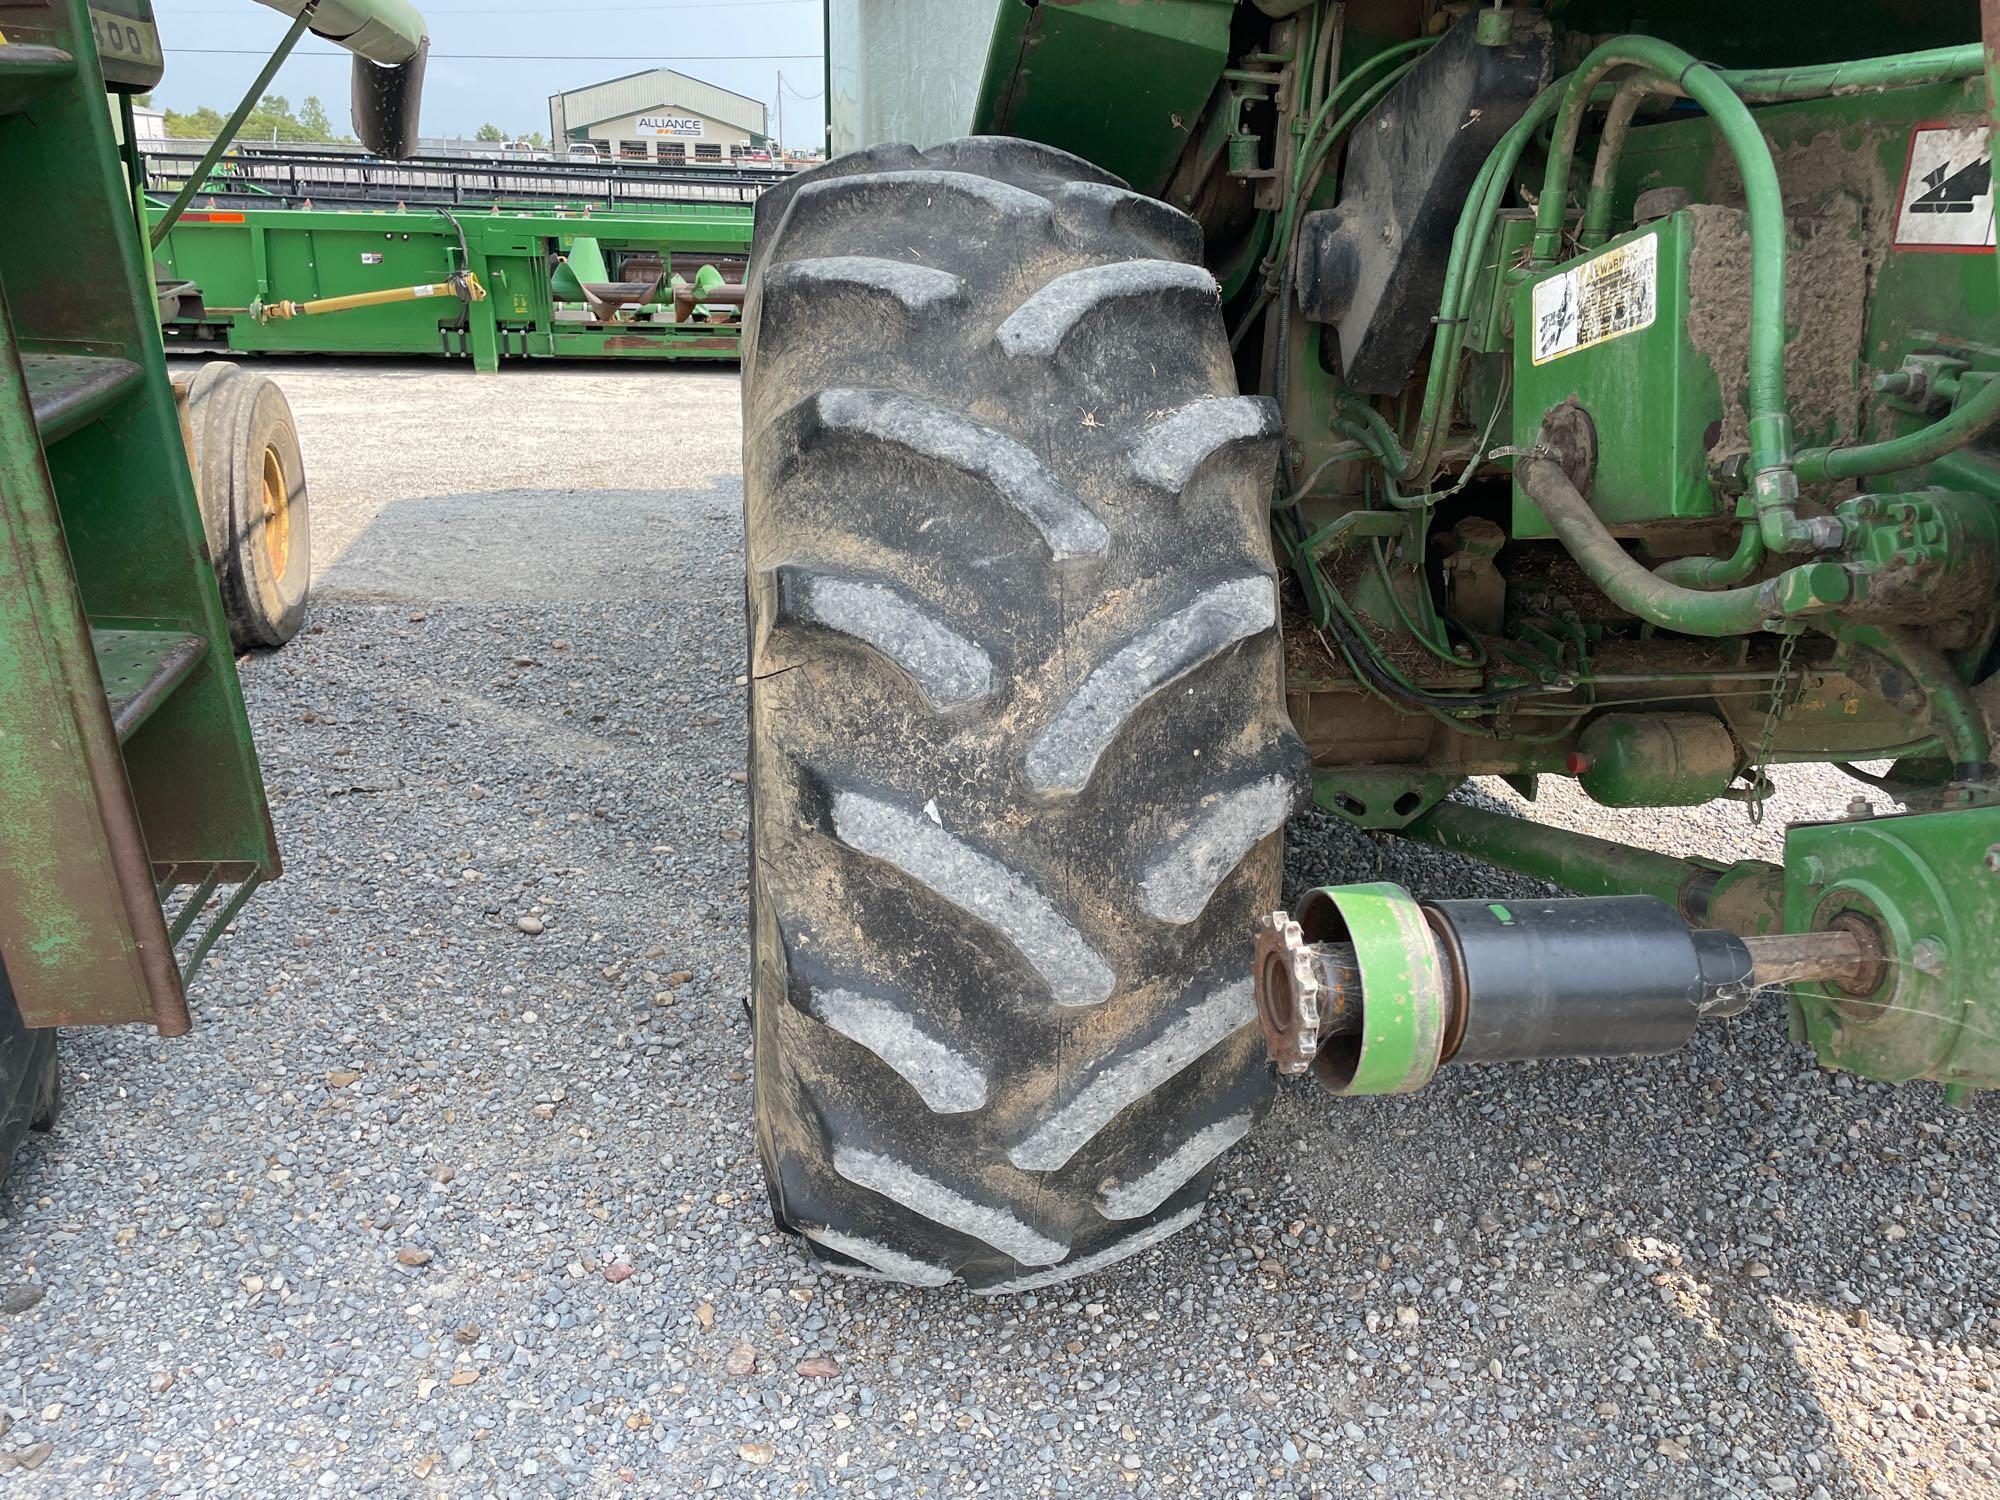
(1201, 410)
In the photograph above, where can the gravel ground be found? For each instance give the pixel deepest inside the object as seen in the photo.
(453, 1190)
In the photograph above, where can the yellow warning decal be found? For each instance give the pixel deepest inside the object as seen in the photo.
(1604, 298)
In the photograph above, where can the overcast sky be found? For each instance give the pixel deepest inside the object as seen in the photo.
(215, 47)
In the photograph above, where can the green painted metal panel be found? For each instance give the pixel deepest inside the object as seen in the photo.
(1929, 884)
(241, 258)
(1610, 330)
(65, 930)
(1119, 82)
(881, 88)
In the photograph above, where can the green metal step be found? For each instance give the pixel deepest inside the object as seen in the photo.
(141, 668)
(68, 391)
(27, 73)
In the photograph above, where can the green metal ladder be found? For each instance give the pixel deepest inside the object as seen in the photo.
(130, 795)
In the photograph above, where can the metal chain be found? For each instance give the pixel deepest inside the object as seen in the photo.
(1781, 687)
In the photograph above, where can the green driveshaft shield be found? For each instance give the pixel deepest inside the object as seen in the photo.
(1402, 987)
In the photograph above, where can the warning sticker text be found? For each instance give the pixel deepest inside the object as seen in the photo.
(1607, 297)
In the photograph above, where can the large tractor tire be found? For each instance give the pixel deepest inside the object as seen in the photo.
(1019, 755)
(251, 478)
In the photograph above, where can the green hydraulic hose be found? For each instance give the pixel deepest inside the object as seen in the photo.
(1772, 85)
(1489, 189)
(1416, 631)
(1971, 419)
(1899, 70)
(1288, 216)
(1954, 717)
(1630, 584)
(1468, 249)
(1774, 486)
(1610, 145)
(1714, 572)
(1380, 60)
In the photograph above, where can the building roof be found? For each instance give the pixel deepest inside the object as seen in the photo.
(652, 89)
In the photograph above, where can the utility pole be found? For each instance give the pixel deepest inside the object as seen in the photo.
(780, 142)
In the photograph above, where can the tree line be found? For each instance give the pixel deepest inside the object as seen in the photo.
(274, 119)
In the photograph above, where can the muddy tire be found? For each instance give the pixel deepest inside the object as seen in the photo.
(1018, 745)
(255, 509)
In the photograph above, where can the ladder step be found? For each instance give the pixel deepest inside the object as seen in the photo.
(70, 390)
(140, 669)
(27, 73)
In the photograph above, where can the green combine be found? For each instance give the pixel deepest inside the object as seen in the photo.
(150, 528)
(1199, 408)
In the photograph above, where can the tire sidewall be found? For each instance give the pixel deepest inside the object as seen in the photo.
(207, 455)
(266, 606)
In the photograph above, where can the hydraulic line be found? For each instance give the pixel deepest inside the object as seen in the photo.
(1610, 146)
(1629, 583)
(1285, 261)
(1767, 86)
(1976, 413)
(1717, 572)
(1468, 251)
(1955, 718)
(1897, 71)
(1972, 419)
(1362, 655)
(1280, 258)
(1756, 85)
(1313, 150)
(1365, 659)
(1411, 625)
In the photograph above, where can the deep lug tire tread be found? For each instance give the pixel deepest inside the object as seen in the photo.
(1019, 755)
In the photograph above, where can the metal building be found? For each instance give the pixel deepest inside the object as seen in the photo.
(659, 115)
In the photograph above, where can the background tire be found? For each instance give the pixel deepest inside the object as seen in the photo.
(255, 508)
(1018, 746)
(30, 1087)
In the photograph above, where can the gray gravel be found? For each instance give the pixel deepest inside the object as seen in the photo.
(453, 1189)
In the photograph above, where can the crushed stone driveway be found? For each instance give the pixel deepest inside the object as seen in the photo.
(453, 1190)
